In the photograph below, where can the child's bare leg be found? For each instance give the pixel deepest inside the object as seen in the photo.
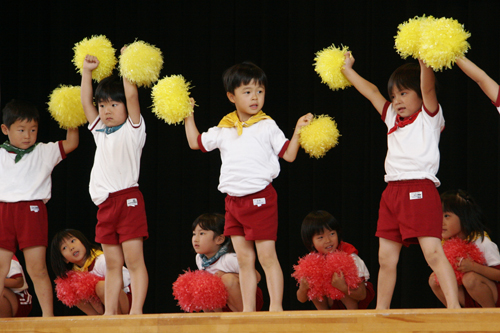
(436, 288)
(248, 280)
(268, 259)
(114, 277)
(232, 283)
(350, 303)
(388, 257)
(5, 258)
(89, 308)
(435, 257)
(8, 303)
(37, 270)
(481, 289)
(134, 258)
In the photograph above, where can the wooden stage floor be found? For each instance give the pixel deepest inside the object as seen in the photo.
(402, 321)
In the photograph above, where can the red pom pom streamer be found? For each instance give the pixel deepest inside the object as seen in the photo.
(318, 269)
(456, 249)
(199, 290)
(77, 287)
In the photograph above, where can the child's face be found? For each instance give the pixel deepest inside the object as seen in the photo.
(112, 113)
(405, 102)
(22, 133)
(73, 251)
(451, 226)
(248, 99)
(205, 243)
(326, 241)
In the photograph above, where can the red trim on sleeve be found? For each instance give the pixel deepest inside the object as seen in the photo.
(497, 103)
(200, 144)
(283, 150)
(61, 149)
(432, 114)
(134, 125)
(95, 124)
(15, 276)
(384, 110)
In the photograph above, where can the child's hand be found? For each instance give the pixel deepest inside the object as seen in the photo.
(339, 282)
(123, 49)
(349, 60)
(90, 62)
(303, 284)
(465, 265)
(303, 121)
(192, 101)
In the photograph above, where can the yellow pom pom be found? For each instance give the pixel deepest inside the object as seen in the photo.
(329, 63)
(66, 108)
(407, 41)
(100, 47)
(319, 136)
(443, 41)
(141, 63)
(171, 99)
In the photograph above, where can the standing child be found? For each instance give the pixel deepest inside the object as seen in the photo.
(486, 83)
(322, 233)
(464, 219)
(15, 301)
(120, 133)
(250, 144)
(25, 188)
(215, 255)
(71, 250)
(410, 209)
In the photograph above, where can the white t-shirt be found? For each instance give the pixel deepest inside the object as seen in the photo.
(413, 150)
(117, 158)
(362, 269)
(17, 270)
(489, 250)
(30, 178)
(249, 161)
(99, 269)
(228, 263)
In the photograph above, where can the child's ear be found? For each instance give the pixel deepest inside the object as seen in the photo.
(230, 96)
(5, 130)
(220, 239)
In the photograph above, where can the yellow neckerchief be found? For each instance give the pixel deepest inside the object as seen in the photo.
(93, 254)
(232, 120)
(476, 236)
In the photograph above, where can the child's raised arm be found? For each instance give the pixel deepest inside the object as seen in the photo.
(428, 87)
(486, 83)
(89, 64)
(132, 97)
(293, 147)
(192, 132)
(366, 88)
(72, 140)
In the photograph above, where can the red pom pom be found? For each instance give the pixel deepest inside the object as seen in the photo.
(77, 287)
(311, 268)
(199, 290)
(337, 262)
(457, 248)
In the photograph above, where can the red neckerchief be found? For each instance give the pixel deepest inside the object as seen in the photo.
(347, 248)
(402, 122)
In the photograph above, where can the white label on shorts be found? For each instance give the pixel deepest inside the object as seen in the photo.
(35, 209)
(259, 202)
(416, 195)
(132, 202)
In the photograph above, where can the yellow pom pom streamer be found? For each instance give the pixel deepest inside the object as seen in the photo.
(319, 136)
(407, 41)
(100, 47)
(171, 99)
(329, 63)
(443, 41)
(141, 63)
(66, 108)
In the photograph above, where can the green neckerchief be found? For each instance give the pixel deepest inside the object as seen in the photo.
(205, 262)
(18, 151)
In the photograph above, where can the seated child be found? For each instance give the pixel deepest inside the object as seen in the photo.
(15, 300)
(71, 250)
(321, 233)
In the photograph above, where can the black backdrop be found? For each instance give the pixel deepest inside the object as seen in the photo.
(200, 39)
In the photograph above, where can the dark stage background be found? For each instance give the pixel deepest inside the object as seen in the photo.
(199, 39)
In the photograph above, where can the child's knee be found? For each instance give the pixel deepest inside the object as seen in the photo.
(231, 281)
(470, 281)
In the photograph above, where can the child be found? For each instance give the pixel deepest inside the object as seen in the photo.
(25, 188)
(322, 233)
(215, 254)
(120, 133)
(463, 218)
(250, 143)
(71, 250)
(410, 210)
(486, 83)
(15, 300)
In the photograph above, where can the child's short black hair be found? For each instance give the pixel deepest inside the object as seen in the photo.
(214, 222)
(242, 74)
(110, 88)
(19, 110)
(406, 76)
(314, 223)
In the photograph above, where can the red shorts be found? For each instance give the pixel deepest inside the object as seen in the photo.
(410, 209)
(363, 304)
(121, 217)
(254, 216)
(259, 301)
(25, 305)
(23, 224)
